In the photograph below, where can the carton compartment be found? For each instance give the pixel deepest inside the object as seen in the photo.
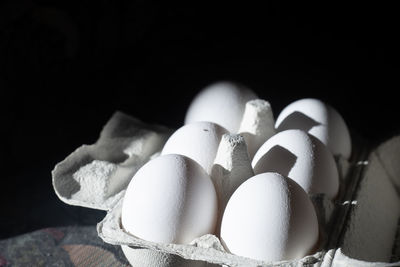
(95, 176)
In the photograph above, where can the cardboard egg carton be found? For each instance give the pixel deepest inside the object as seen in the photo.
(359, 228)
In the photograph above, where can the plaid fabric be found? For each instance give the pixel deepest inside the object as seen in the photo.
(65, 246)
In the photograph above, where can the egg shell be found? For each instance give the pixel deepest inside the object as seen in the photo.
(320, 120)
(270, 218)
(198, 141)
(222, 103)
(171, 199)
(301, 157)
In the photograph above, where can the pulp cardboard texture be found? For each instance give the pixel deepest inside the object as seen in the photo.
(359, 228)
(95, 176)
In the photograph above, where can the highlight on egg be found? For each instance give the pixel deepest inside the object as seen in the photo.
(222, 103)
(171, 199)
(198, 141)
(270, 218)
(320, 120)
(301, 157)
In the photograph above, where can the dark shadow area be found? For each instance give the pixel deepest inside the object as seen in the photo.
(277, 159)
(32, 204)
(297, 120)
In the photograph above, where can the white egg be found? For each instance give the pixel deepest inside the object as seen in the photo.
(198, 141)
(270, 218)
(319, 119)
(171, 199)
(301, 157)
(222, 103)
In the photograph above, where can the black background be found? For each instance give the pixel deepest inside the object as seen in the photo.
(66, 66)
